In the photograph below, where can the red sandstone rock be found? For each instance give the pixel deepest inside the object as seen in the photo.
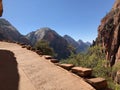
(117, 4)
(84, 72)
(54, 60)
(118, 56)
(98, 83)
(109, 33)
(1, 8)
(66, 66)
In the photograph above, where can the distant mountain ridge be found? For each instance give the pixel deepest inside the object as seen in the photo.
(71, 41)
(79, 45)
(39, 34)
(9, 32)
(58, 43)
(83, 46)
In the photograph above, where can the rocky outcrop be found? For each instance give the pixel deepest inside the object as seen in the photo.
(58, 43)
(117, 4)
(1, 8)
(109, 33)
(10, 33)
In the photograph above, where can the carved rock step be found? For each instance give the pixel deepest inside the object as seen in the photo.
(48, 57)
(24, 46)
(38, 52)
(54, 60)
(28, 47)
(33, 49)
(66, 66)
(98, 83)
(83, 72)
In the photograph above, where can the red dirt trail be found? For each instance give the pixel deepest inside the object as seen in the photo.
(21, 69)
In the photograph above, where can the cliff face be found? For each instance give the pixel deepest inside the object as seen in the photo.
(117, 4)
(1, 8)
(109, 33)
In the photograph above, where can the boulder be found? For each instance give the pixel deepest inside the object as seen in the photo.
(83, 72)
(98, 83)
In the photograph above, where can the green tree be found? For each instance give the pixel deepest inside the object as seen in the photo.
(44, 47)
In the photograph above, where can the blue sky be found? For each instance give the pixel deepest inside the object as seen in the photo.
(77, 18)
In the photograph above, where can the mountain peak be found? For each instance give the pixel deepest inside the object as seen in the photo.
(79, 45)
(67, 36)
(4, 22)
(45, 29)
(9, 32)
(58, 43)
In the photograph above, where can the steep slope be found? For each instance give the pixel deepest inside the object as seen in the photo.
(109, 33)
(58, 43)
(71, 41)
(9, 32)
(79, 45)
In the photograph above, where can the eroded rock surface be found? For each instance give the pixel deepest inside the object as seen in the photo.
(109, 33)
(1, 8)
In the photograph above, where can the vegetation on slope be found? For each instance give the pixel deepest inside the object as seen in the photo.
(95, 59)
(44, 47)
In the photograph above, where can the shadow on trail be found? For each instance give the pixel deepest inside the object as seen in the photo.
(9, 76)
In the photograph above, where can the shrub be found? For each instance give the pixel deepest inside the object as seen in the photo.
(91, 59)
(44, 47)
(115, 68)
(95, 59)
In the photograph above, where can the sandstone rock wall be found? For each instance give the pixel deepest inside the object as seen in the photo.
(109, 33)
(1, 8)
